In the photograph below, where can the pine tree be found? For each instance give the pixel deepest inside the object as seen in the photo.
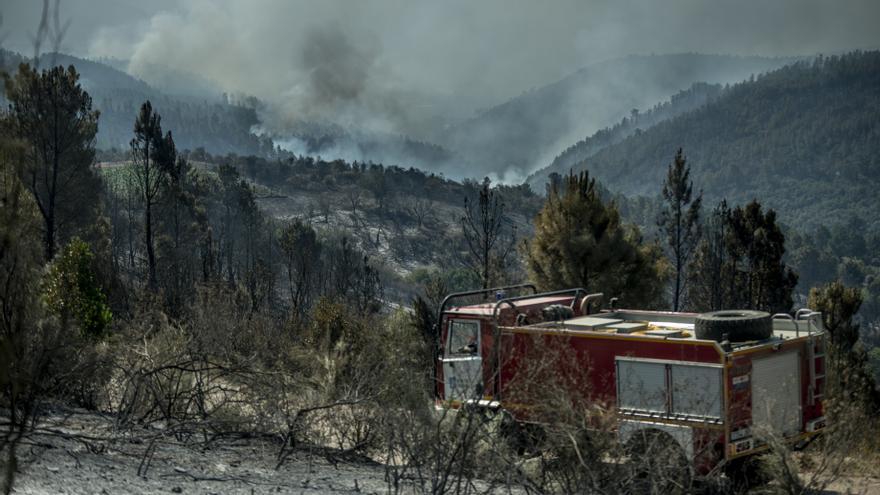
(488, 232)
(679, 221)
(580, 242)
(705, 274)
(739, 263)
(147, 128)
(152, 156)
(850, 378)
(52, 113)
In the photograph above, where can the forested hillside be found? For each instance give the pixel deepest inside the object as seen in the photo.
(406, 219)
(694, 97)
(803, 139)
(214, 123)
(530, 129)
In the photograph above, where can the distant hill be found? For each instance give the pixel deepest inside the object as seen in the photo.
(804, 139)
(528, 131)
(212, 123)
(224, 124)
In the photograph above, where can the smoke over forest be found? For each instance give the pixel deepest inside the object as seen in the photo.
(422, 70)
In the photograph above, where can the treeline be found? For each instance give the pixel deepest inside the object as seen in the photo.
(207, 228)
(219, 127)
(845, 251)
(306, 173)
(729, 258)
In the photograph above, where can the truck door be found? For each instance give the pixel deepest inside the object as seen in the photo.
(462, 364)
(776, 393)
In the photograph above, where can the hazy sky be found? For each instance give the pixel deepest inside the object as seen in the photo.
(482, 47)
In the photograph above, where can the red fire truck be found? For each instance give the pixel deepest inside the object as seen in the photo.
(709, 382)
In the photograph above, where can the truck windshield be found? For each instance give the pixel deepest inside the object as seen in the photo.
(463, 337)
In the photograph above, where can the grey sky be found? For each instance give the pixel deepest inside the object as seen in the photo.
(484, 46)
(486, 50)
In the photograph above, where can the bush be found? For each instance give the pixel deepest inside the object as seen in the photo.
(72, 290)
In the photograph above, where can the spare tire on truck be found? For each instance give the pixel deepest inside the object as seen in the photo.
(738, 325)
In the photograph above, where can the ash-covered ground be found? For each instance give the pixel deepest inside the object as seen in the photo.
(87, 456)
(81, 452)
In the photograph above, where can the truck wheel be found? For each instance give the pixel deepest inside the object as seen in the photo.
(739, 325)
(746, 473)
(657, 464)
(521, 438)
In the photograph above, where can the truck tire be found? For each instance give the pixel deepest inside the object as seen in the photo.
(747, 473)
(657, 464)
(738, 325)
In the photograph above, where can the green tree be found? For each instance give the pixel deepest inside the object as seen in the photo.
(53, 115)
(679, 221)
(739, 262)
(758, 246)
(580, 242)
(850, 379)
(72, 290)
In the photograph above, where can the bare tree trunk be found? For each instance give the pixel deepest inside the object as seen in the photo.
(151, 254)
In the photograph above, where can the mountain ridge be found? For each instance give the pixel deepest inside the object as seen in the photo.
(803, 139)
(532, 128)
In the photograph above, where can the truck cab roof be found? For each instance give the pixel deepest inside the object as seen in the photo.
(488, 308)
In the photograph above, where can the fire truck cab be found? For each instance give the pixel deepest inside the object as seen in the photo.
(716, 397)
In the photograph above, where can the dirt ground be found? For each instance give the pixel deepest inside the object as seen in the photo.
(853, 485)
(58, 463)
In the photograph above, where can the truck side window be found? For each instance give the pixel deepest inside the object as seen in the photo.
(463, 337)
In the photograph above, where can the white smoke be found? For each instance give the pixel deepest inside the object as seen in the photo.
(415, 68)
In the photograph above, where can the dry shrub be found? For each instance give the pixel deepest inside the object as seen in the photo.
(847, 448)
(193, 376)
(84, 373)
(447, 451)
(328, 382)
